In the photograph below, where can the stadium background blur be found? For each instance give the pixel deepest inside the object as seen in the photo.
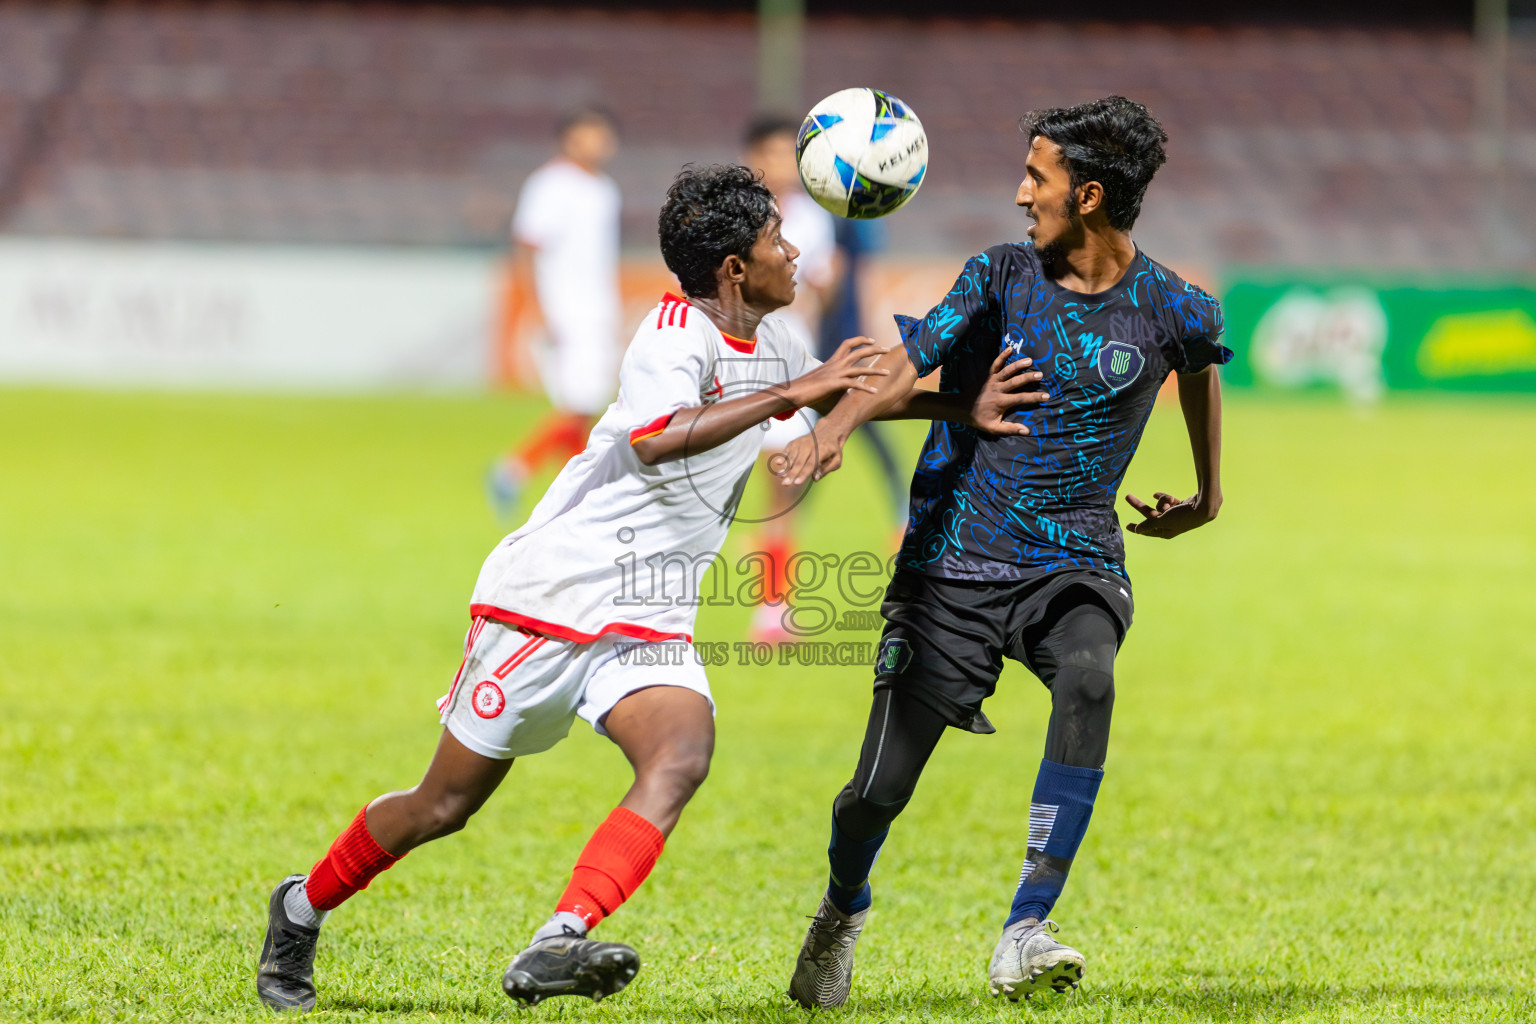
(1306, 138)
(257, 347)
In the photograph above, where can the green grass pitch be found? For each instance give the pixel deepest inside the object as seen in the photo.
(224, 619)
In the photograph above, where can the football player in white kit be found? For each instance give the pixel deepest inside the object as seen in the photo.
(584, 611)
(566, 260)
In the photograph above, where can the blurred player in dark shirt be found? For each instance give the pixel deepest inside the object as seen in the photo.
(843, 317)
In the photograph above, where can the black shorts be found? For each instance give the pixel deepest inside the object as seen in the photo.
(945, 640)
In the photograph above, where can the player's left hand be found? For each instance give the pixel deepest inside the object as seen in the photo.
(1001, 393)
(844, 371)
(1171, 517)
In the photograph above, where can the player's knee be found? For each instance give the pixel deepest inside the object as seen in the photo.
(863, 814)
(878, 800)
(682, 768)
(691, 768)
(887, 797)
(1079, 686)
(445, 814)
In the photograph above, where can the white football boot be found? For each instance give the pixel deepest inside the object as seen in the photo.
(824, 969)
(1028, 960)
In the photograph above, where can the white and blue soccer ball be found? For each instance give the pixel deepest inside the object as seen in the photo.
(862, 153)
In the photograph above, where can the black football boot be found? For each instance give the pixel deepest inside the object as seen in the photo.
(569, 965)
(285, 979)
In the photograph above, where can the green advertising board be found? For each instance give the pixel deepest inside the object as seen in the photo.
(1362, 337)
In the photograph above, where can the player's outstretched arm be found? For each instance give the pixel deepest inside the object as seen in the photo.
(985, 406)
(1200, 398)
(703, 427)
(820, 452)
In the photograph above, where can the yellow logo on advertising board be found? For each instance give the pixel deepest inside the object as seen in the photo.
(1486, 344)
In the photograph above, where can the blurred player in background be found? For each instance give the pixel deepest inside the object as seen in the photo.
(1014, 549)
(561, 629)
(843, 317)
(770, 148)
(566, 262)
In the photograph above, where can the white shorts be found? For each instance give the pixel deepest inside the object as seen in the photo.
(579, 366)
(517, 692)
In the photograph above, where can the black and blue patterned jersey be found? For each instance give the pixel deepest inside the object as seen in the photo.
(1007, 508)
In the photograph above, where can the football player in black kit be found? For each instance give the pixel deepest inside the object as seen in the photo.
(1014, 549)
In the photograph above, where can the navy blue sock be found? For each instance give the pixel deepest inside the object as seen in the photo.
(1058, 819)
(851, 861)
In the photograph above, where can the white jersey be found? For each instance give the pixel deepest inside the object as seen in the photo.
(572, 220)
(571, 216)
(616, 546)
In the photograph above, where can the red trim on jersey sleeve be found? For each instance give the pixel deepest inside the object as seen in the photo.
(650, 429)
(786, 414)
(629, 629)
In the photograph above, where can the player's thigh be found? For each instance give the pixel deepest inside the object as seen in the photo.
(516, 693)
(460, 777)
(901, 734)
(943, 644)
(653, 700)
(1077, 629)
(666, 729)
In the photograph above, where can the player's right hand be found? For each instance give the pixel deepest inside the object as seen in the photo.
(807, 458)
(839, 374)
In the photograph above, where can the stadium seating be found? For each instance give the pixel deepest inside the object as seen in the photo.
(378, 124)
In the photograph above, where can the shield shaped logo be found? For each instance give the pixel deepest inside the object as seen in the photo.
(893, 657)
(1119, 363)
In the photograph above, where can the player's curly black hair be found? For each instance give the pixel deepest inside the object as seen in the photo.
(1114, 141)
(711, 212)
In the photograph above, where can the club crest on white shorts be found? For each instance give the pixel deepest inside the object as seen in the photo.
(488, 700)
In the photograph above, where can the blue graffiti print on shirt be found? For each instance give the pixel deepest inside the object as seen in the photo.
(997, 508)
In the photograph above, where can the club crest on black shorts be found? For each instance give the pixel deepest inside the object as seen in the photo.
(894, 656)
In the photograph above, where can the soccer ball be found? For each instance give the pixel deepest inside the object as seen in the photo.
(862, 153)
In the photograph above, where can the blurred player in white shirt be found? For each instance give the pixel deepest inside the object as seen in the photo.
(566, 234)
(770, 148)
(586, 611)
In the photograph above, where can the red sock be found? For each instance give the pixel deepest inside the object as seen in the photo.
(778, 550)
(561, 436)
(611, 867)
(351, 863)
